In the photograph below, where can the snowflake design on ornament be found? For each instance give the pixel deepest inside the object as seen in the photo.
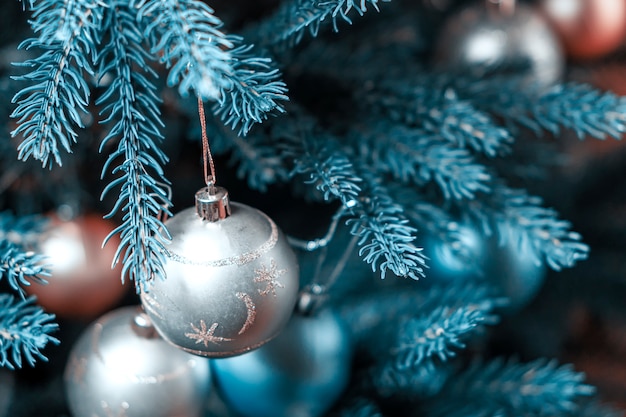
(205, 336)
(269, 276)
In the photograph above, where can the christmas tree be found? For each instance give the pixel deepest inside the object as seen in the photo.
(428, 172)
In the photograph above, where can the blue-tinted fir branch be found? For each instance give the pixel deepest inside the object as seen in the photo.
(333, 176)
(258, 160)
(416, 155)
(473, 296)
(205, 61)
(441, 112)
(49, 109)
(24, 331)
(519, 216)
(132, 108)
(319, 159)
(27, 4)
(256, 92)
(360, 407)
(439, 334)
(294, 18)
(18, 264)
(438, 224)
(23, 231)
(579, 107)
(510, 388)
(443, 323)
(595, 409)
(386, 239)
(420, 382)
(187, 37)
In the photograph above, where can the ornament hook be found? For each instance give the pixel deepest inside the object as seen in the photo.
(207, 157)
(212, 202)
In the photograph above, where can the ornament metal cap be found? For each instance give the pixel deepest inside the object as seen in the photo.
(212, 203)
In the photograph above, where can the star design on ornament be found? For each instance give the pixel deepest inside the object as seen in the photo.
(205, 336)
(269, 276)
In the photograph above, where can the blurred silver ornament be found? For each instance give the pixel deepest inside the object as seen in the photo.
(231, 279)
(119, 366)
(483, 37)
(301, 373)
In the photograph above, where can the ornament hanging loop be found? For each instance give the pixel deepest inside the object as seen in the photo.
(212, 203)
(207, 157)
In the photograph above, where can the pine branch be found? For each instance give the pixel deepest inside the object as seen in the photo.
(187, 37)
(509, 388)
(516, 215)
(288, 25)
(16, 264)
(258, 162)
(423, 381)
(440, 327)
(27, 4)
(321, 161)
(579, 107)
(436, 335)
(438, 225)
(386, 239)
(255, 93)
(23, 231)
(439, 111)
(24, 331)
(360, 407)
(595, 409)
(49, 109)
(132, 107)
(203, 60)
(419, 156)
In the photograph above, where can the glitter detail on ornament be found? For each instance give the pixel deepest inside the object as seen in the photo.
(251, 307)
(242, 259)
(269, 277)
(206, 336)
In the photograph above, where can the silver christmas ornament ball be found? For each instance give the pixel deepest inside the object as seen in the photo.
(482, 36)
(231, 279)
(119, 366)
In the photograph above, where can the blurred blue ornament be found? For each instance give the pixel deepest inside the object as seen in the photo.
(460, 258)
(301, 373)
(514, 267)
(506, 261)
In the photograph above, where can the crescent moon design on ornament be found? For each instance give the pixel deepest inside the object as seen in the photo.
(251, 307)
(242, 259)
